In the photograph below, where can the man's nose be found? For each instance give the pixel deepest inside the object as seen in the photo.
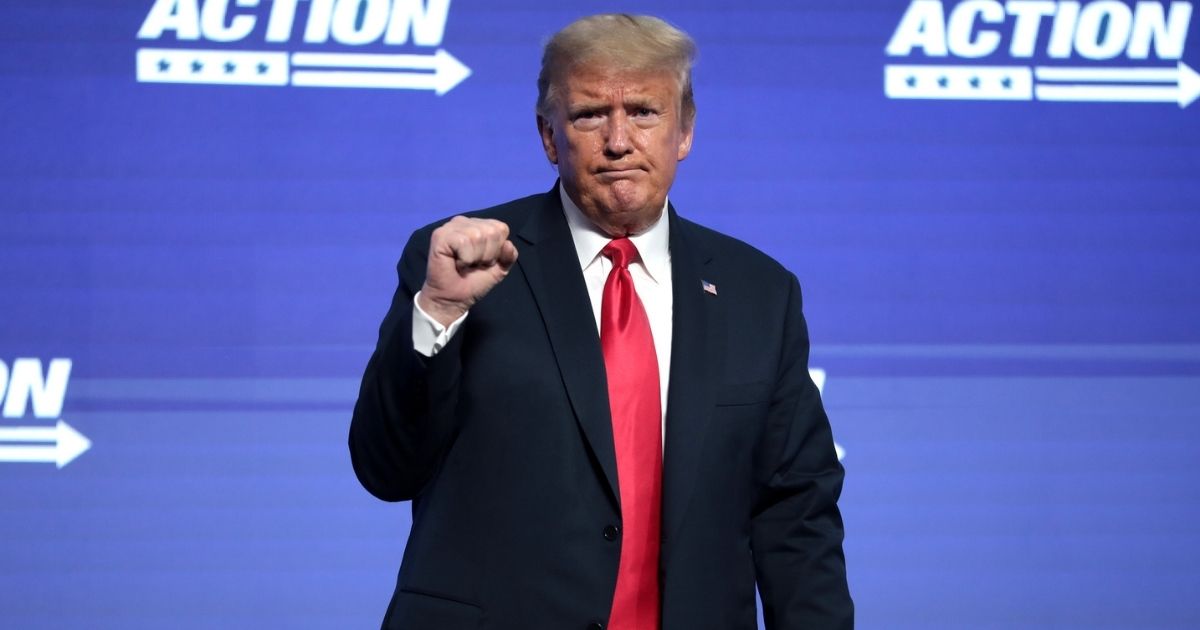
(616, 139)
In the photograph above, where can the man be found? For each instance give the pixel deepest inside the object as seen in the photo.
(601, 411)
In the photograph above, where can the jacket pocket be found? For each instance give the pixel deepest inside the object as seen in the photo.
(414, 610)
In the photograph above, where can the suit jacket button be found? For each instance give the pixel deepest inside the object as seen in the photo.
(595, 626)
(611, 532)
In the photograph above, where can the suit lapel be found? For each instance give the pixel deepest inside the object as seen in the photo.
(547, 260)
(549, 263)
(690, 398)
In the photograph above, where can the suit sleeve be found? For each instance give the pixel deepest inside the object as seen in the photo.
(404, 418)
(797, 529)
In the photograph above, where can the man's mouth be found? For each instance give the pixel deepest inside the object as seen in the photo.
(617, 173)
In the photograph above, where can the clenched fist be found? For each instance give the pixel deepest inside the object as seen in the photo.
(467, 257)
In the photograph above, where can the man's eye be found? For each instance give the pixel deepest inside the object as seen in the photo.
(645, 115)
(587, 121)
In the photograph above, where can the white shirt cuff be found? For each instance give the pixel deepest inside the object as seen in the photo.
(429, 336)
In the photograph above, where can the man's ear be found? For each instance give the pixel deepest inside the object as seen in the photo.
(685, 140)
(546, 131)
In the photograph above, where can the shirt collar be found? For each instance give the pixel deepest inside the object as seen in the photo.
(652, 243)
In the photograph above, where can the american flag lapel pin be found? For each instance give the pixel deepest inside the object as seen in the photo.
(708, 287)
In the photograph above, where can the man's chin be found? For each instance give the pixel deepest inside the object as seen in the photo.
(626, 197)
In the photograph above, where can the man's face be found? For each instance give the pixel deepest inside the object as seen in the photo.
(616, 137)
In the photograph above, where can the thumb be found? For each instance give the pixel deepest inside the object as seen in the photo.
(507, 256)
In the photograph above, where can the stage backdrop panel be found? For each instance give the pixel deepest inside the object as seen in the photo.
(993, 208)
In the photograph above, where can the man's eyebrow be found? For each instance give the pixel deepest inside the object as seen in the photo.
(587, 106)
(642, 102)
(642, 99)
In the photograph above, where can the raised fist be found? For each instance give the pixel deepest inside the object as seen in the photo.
(467, 257)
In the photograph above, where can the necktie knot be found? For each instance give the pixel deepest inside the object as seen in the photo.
(620, 251)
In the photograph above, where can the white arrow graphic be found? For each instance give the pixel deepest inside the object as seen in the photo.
(1179, 85)
(439, 72)
(59, 444)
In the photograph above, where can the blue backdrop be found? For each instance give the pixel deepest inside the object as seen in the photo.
(994, 209)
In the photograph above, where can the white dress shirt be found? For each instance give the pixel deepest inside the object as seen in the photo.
(651, 277)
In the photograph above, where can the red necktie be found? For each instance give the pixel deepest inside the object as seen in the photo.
(633, 397)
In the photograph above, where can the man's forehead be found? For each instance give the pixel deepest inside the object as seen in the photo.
(599, 81)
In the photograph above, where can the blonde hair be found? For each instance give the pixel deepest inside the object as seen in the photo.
(639, 43)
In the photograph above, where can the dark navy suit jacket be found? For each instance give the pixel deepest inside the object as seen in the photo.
(504, 445)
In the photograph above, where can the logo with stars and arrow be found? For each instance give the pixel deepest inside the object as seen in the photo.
(438, 73)
(1179, 85)
(344, 45)
(1072, 50)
